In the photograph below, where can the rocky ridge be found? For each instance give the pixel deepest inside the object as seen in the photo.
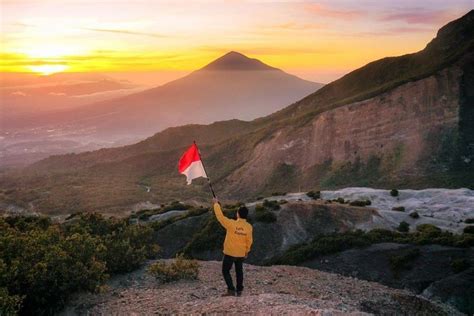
(269, 290)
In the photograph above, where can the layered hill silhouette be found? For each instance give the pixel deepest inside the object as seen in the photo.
(401, 121)
(231, 87)
(85, 112)
(26, 96)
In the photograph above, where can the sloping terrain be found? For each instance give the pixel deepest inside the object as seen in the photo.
(429, 273)
(400, 122)
(419, 266)
(268, 290)
(296, 222)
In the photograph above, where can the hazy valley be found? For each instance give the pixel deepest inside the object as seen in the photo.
(231, 87)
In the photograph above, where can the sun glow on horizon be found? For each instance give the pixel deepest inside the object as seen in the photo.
(316, 39)
(47, 69)
(50, 56)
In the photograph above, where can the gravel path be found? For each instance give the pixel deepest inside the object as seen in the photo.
(269, 290)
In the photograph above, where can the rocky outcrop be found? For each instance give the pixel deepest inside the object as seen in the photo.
(268, 291)
(400, 132)
(428, 271)
(173, 238)
(447, 209)
(296, 222)
(456, 290)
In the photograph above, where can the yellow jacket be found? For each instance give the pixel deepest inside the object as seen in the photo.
(238, 238)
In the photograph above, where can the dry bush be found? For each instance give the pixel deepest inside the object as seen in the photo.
(181, 268)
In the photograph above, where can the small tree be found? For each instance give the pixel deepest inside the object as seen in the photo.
(398, 208)
(403, 227)
(468, 230)
(459, 265)
(414, 215)
(315, 195)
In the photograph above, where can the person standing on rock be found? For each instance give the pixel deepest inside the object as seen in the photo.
(238, 240)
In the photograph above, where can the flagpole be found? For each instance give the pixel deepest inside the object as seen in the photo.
(208, 180)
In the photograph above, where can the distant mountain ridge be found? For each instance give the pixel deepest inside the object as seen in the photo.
(231, 87)
(402, 121)
(237, 61)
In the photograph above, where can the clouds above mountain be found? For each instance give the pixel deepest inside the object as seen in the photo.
(313, 36)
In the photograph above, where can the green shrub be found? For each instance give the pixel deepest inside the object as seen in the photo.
(128, 248)
(398, 208)
(414, 215)
(278, 193)
(9, 304)
(271, 205)
(259, 208)
(45, 267)
(469, 221)
(265, 216)
(42, 263)
(211, 237)
(460, 264)
(144, 215)
(27, 223)
(197, 211)
(403, 261)
(321, 245)
(340, 200)
(469, 229)
(360, 203)
(191, 212)
(175, 206)
(331, 243)
(403, 227)
(394, 192)
(179, 269)
(315, 195)
(428, 229)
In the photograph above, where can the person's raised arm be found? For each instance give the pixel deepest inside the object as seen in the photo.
(219, 215)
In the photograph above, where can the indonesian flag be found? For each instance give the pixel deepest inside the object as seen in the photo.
(190, 164)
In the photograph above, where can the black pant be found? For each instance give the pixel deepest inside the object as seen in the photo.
(227, 266)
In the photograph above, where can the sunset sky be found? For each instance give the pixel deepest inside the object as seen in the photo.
(317, 40)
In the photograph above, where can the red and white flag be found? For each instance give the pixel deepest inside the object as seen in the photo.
(190, 164)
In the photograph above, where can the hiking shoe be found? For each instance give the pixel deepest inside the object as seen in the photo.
(239, 293)
(229, 293)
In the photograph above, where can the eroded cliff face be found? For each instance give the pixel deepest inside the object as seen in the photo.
(398, 134)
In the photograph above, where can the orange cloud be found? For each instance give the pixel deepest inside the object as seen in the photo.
(19, 93)
(418, 16)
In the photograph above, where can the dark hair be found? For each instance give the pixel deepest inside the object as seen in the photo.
(243, 212)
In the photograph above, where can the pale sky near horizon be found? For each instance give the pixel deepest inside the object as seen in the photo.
(316, 40)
